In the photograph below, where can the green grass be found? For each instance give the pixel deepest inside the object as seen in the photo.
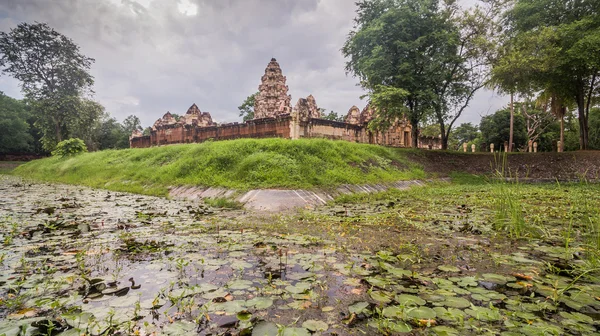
(237, 164)
(6, 167)
(223, 203)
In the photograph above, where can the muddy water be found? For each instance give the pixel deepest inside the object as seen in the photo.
(77, 260)
(103, 261)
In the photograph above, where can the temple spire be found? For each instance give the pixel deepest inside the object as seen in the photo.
(273, 98)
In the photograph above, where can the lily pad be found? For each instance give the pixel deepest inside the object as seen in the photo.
(265, 329)
(421, 313)
(314, 325)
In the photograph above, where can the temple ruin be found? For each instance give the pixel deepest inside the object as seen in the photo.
(275, 117)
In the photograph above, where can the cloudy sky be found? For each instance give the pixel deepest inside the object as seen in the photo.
(154, 56)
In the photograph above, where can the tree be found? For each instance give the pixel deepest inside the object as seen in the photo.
(421, 57)
(331, 115)
(465, 133)
(385, 51)
(594, 123)
(247, 107)
(495, 129)
(560, 45)
(53, 75)
(14, 130)
(132, 123)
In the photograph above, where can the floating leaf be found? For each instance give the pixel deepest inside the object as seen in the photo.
(381, 296)
(409, 300)
(314, 325)
(449, 268)
(421, 313)
(265, 329)
(358, 308)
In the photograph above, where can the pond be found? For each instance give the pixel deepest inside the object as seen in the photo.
(77, 260)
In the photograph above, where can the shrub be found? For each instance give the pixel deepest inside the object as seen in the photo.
(70, 147)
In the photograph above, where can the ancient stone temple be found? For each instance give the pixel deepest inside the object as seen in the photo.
(273, 98)
(274, 117)
(353, 116)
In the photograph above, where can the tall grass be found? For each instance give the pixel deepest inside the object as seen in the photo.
(238, 164)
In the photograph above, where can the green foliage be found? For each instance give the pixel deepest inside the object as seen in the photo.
(594, 123)
(14, 130)
(223, 203)
(70, 147)
(239, 164)
(333, 116)
(553, 46)
(54, 75)
(495, 129)
(247, 107)
(421, 58)
(465, 133)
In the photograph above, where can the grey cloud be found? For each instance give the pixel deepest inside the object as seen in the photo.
(151, 58)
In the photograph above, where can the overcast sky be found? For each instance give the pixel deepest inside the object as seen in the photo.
(154, 56)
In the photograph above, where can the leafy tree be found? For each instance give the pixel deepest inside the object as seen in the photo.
(559, 46)
(464, 133)
(53, 75)
(247, 107)
(420, 58)
(331, 115)
(112, 135)
(594, 123)
(70, 147)
(495, 129)
(132, 123)
(176, 116)
(14, 130)
(147, 131)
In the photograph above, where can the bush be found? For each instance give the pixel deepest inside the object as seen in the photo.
(70, 147)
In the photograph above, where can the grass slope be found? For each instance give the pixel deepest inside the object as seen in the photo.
(238, 164)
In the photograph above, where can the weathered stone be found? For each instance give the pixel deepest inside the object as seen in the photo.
(167, 119)
(274, 117)
(302, 110)
(194, 116)
(136, 134)
(273, 99)
(367, 114)
(353, 116)
(313, 109)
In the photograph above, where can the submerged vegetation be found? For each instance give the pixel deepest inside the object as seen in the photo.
(237, 164)
(472, 256)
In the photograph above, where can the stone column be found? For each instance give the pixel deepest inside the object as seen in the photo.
(492, 148)
(473, 148)
(465, 147)
(505, 146)
(560, 149)
(535, 147)
(530, 146)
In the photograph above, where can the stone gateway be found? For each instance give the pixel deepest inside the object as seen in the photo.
(274, 117)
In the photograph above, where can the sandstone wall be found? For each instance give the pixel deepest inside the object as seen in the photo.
(284, 126)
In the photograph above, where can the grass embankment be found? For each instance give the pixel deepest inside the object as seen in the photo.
(238, 164)
(7, 166)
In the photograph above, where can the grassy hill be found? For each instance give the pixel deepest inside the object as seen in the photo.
(237, 164)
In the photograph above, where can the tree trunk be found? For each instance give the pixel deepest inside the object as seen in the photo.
(512, 121)
(583, 124)
(57, 130)
(415, 137)
(562, 133)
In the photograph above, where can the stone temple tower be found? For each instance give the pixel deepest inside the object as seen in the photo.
(273, 98)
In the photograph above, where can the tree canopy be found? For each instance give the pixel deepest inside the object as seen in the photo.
(420, 58)
(14, 129)
(554, 46)
(54, 76)
(247, 107)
